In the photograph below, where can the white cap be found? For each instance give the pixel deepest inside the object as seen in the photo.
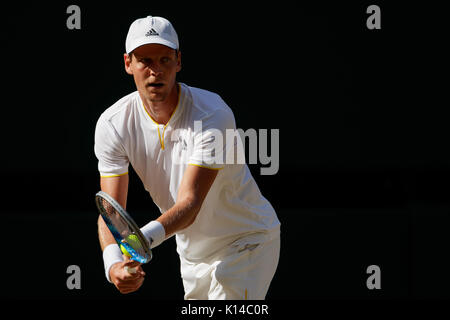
(151, 30)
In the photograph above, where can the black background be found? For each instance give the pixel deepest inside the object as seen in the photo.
(362, 114)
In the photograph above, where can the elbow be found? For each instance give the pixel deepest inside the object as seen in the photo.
(195, 205)
(190, 222)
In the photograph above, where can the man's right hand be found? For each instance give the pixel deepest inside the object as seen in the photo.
(124, 281)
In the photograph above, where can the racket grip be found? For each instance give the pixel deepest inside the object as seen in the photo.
(130, 270)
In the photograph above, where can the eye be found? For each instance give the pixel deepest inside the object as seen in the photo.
(146, 61)
(165, 59)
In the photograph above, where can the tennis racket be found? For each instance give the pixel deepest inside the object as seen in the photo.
(124, 230)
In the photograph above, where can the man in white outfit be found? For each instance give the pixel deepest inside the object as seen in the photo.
(227, 233)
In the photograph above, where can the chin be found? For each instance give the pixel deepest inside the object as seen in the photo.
(156, 97)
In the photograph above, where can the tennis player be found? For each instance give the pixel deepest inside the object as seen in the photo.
(227, 233)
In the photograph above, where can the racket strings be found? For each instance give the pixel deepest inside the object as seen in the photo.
(123, 231)
(116, 219)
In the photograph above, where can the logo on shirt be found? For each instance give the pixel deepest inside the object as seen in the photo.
(152, 32)
(182, 143)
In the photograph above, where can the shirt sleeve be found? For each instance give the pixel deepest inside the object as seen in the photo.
(211, 143)
(109, 150)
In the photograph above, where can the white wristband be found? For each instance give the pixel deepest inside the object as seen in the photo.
(154, 232)
(111, 255)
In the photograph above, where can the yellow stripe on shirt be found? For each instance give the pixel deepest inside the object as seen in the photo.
(201, 166)
(114, 175)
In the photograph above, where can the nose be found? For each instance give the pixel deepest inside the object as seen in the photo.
(155, 69)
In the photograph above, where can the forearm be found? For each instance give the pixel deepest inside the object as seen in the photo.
(105, 236)
(180, 216)
(116, 187)
(193, 189)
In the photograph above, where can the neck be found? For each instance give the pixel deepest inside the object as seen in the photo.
(161, 111)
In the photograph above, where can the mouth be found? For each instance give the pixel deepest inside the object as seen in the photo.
(155, 85)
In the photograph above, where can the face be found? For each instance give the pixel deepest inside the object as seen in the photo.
(154, 68)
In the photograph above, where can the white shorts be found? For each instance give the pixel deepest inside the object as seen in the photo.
(243, 270)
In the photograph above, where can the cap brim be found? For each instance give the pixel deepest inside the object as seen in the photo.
(150, 40)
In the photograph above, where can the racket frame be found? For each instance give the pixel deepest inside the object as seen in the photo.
(128, 219)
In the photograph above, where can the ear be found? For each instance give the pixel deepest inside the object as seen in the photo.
(179, 61)
(127, 61)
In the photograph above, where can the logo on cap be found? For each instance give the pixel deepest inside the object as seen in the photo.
(152, 32)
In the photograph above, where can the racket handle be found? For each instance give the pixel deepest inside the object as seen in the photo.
(130, 270)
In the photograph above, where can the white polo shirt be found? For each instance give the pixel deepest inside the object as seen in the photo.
(159, 154)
